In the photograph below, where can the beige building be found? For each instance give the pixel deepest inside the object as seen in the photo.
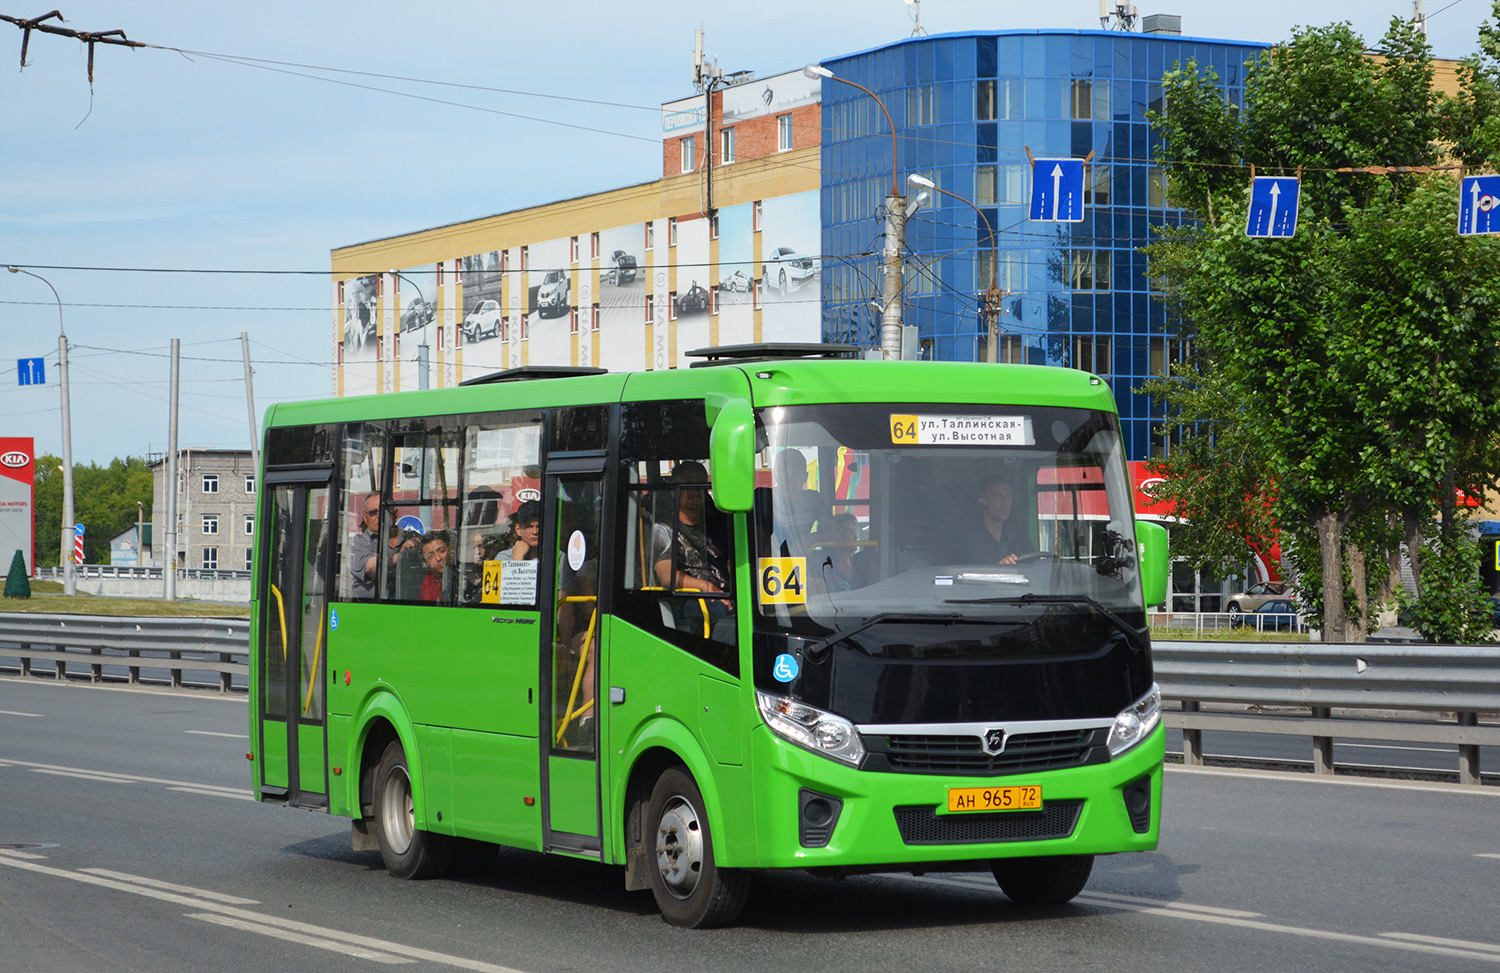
(216, 494)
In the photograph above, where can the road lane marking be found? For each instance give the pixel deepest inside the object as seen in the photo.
(1487, 854)
(1409, 785)
(83, 775)
(158, 884)
(11, 712)
(210, 792)
(245, 915)
(1100, 898)
(1409, 942)
(212, 733)
(191, 787)
(295, 937)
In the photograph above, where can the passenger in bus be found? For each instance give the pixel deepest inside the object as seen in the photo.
(364, 550)
(527, 528)
(483, 547)
(990, 537)
(798, 509)
(833, 559)
(438, 579)
(692, 554)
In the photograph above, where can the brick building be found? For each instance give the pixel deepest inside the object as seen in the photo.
(216, 493)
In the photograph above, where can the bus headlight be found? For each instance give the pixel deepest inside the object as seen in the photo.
(1136, 723)
(812, 728)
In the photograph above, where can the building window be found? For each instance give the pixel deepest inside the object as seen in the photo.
(713, 299)
(249, 525)
(672, 306)
(525, 327)
(1090, 270)
(921, 105)
(687, 154)
(1091, 353)
(249, 558)
(650, 308)
(210, 483)
(573, 249)
(525, 257)
(650, 234)
(249, 482)
(504, 261)
(1082, 100)
(1012, 349)
(755, 294)
(984, 185)
(210, 523)
(755, 214)
(1098, 182)
(594, 318)
(210, 559)
(671, 231)
(783, 133)
(713, 227)
(1168, 354)
(1156, 186)
(572, 320)
(984, 101)
(593, 246)
(726, 146)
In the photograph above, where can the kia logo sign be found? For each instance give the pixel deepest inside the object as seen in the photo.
(528, 494)
(15, 459)
(1150, 486)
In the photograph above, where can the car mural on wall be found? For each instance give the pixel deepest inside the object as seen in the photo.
(485, 321)
(786, 270)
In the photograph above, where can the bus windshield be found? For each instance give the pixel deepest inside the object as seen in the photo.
(968, 512)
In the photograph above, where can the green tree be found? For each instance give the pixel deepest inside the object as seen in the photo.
(1345, 378)
(104, 501)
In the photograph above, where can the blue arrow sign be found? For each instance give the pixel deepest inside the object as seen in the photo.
(1273, 207)
(1479, 205)
(1057, 190)
(31, 371)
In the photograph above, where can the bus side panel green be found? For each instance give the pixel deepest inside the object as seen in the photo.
(437, 777)
(272, 754)
(572, 796)
(343, 787)
(493, 777)
(723, 726)
(312, 772)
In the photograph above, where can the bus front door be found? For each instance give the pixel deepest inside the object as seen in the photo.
(570, 643)
(291, 719)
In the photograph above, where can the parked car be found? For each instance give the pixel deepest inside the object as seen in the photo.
(624, 269)
(786, 269)
(552, 296)
(695, 300)
(484, 321)
(1253, 597)
(1270, 616)
(737, 282)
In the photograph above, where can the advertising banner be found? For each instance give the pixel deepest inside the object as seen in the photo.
(18, 500)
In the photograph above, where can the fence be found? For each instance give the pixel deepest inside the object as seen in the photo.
(220, 646)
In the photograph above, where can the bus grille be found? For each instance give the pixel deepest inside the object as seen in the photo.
(924, 826)
(1024, 753)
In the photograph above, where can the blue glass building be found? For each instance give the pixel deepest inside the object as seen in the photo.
(965, 109)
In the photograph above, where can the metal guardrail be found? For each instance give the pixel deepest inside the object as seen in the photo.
(134, 571)
(1425, 681)
(172, 645)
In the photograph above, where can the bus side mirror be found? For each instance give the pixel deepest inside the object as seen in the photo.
(1151, 550)
(731, 452)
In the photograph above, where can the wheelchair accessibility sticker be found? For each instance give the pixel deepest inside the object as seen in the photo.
(785, 669)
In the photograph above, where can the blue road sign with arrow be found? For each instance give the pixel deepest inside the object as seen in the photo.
(1273, 207)
(1057, 190)
(31, 371)
(1479, 205)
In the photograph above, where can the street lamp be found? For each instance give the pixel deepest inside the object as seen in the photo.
(70, 578)
(992, 297)
(422, 348)
(895, 231)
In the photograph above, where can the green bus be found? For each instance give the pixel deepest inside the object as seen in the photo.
(782, 609)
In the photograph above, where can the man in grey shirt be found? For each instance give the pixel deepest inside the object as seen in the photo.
(364, 551)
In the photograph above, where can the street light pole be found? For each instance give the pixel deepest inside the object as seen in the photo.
(992, 297)
(70, 577)
(893, 288)
(422, 353)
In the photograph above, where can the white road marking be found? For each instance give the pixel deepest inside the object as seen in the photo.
(23, 854)
(1408, 785)
(11, 712)
(157, 884)
(187, 786)
(1487, 854)
(245, 915)
(211, 733)
(83, 774)
(1098, 898)
(1410, 942)
(295, 937)
(216, 792)
(1387, 746)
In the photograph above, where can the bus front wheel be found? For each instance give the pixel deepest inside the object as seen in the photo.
(1042, 881)
(408, 852)
(690, 889)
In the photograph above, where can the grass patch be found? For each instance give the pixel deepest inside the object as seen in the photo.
(1184, 634)
(47, 599)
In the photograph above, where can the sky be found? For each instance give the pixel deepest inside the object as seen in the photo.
(244, 146)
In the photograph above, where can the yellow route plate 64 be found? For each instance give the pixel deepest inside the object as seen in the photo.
(1020, 797)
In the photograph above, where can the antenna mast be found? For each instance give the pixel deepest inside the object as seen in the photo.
(1122, 12)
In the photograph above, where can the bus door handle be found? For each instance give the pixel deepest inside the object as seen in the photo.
(617, 695)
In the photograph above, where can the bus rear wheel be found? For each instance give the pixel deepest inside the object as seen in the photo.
(1042, 881)
(408, 851)
(690, 889)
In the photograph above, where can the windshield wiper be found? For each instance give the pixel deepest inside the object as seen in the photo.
(878, 619)
(1137, 640)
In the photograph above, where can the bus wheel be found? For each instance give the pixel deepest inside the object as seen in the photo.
(1042, 881)
(690, 890)
(408, 852)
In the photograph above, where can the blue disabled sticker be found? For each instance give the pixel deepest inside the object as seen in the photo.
(333, 621)
(785, 669)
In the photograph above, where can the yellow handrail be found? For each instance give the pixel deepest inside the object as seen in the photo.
(312, 677)
(281, 608)
(583, 658)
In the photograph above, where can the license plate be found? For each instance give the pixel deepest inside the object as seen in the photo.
(1022, 797)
